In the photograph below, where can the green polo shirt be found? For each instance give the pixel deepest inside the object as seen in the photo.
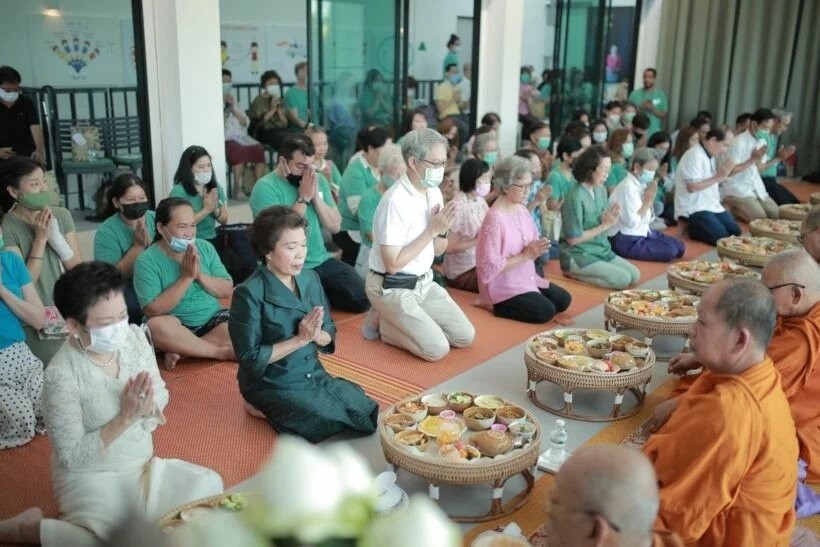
(658, 99)
(155, 272)
(298, 99)
(272, 190)
(357, 179)
(561, 184)
(449, 59)
(367, 210)
(206, 227)
(616, 174)
(771, 140)
(114, 237)
(582, 211)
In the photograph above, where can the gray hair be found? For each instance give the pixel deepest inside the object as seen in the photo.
(482, 141)
(510, 169)
(643, 156)
(781, 113)
(390, 157)
(747, 303)
(418, 142)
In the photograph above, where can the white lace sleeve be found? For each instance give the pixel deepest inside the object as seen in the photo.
(62, 410)
(148, 362)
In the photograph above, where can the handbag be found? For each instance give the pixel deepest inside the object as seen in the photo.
(234, 249)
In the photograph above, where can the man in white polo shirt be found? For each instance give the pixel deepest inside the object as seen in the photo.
(409, 230)
(697, 198)
(744, 193)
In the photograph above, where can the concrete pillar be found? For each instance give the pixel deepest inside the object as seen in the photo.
(498, 77)
(184, 84)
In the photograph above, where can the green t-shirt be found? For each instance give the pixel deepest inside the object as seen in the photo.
(114, 237)
(546, 92)
(297, 98)
(155, 272)
(771, 140)
(206, 227)
(582, 211)
(658, 99)
(561, 184)
(449, 59)
(367, 101)
(335, 174)
(367, 210)
(272, 190)
(616, 174)
(357, 179)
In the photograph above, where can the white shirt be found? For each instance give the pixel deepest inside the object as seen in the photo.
(747, 183)
(401, 216)
(629, 196)
(695, 166)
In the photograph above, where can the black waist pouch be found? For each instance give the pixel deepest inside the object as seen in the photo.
(400, 281)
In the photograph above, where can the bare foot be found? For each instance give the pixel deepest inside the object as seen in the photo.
(23, 528)
(252, 411)
(169, 361)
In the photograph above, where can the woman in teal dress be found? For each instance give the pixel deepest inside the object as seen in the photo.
(278, 325)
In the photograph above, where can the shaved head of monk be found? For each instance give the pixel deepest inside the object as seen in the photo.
(604, 495)
(793, 277)
(736, 318)
(810, 232)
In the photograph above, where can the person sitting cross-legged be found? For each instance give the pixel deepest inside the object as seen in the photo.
(179, 281)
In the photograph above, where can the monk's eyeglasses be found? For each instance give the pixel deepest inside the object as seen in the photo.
(772, 289)
(802, 237)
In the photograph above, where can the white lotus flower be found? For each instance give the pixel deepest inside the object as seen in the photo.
(216, 531)
(357, 480)
(301, 491)
(422, 523)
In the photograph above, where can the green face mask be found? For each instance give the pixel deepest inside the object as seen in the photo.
(544, 143)
(526, 78)
(762, 133)
(490, 158)
(34, 202)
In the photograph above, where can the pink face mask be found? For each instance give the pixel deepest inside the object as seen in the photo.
(482, 189)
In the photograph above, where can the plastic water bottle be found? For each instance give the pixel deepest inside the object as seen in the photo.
(558, 444)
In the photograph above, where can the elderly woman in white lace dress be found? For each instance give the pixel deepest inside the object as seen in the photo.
(102, 399)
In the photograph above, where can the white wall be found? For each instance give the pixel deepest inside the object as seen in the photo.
(648, 39)
(432, 22)
(537, 37)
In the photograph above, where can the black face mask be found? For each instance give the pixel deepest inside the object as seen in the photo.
(294, 179)
(133, 211)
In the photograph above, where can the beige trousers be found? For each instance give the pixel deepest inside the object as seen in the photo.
(425, 321)
(751, 208)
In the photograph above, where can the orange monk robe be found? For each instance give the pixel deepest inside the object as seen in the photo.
(795, 350)
(664, 538)
(726, 461)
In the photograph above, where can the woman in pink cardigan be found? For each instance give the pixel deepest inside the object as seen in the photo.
(508, 244)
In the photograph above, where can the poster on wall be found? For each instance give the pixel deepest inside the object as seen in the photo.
(75, 51)
(248, 50)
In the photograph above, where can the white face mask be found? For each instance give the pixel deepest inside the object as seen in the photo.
(274, 91)
(203, 177)
(614, 119)
(109, 338)
(9, 96)
(433, 177)
(599, 136)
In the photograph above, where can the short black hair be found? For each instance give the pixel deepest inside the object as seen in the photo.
(576, 129)
(9, 75)
(490, 118)
(530, 128)
(268, 226)
(453, 39)
(588, 162)
(118, 188)
(83, 286)
(408, 119)
(716, 133)
(580, 113)
(762, 114)
(376, 137)
(296, 143)
(226, 72)
(699, 120)
(568, 145)
(652, 70)
(743, 118)
(705, 114)
(165, 209)
(12, 172)
(185, 176)
(449, 66)
(267, 75)
(470, 170)
(659, 137)
(612, 104)
(640, 121)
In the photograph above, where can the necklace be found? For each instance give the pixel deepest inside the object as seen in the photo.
(94, 362)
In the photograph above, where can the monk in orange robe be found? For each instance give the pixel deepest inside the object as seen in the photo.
(810, 233)
(726, 454)
(606, 495)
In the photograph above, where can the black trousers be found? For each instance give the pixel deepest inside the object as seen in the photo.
(350, 249)
(534, 307)
(343, 286)
(780, 194)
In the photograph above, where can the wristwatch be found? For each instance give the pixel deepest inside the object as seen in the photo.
(444, 235)
(300, 199)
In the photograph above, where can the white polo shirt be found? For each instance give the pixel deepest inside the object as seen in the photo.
(629, 197)
(695, 166)
(402, 215)
(747, 183)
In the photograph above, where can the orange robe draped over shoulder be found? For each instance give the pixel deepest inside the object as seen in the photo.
(795, 350)
(726, 461)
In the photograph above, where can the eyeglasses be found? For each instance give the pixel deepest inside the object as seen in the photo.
(772, 289)
(435, 165)
(523, 187)
(802, 237)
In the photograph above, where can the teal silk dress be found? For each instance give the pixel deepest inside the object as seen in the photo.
(296, 393)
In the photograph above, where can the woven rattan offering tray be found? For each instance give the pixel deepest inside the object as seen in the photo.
(751, 250)
(203, 508)
(815, 198)
(588, 360)
(698, 275)
(472, 439)
(786, 230)
(795, 211)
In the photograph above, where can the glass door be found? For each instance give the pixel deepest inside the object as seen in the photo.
(355, 67)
